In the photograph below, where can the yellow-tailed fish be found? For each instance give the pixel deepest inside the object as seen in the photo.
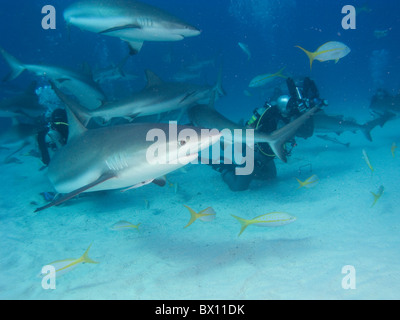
(204, 215)
(393, 149)
(174, 185)
(273, 219)
(329, 51)
(124, 225)
(66, 265)
(263, 79)
(366, 158)
(378, 195)
(310, 182)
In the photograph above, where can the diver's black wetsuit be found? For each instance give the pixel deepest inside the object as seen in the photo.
(268, 122)
(58, 123)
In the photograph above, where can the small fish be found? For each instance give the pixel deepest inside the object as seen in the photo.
(245, 49)
(264, 79)
(365, 8)
(329, 51)
(378, 195)
(124, 225)
(205, 215)
(379, 34)
(273, 219)
(309, 183)
(393, 149)
(366, 158)
(247, 93)
(64, 266)
(171, 184)
(334, 140)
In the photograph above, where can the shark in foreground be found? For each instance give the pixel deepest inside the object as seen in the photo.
(131, 21)
(156, 98)
(207, 117)
(81, 86)
(111, 158)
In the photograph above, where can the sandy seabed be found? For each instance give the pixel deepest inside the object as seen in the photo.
(335, 227)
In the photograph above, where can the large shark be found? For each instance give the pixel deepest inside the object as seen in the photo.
(206, 116)
(25, 104)
(115, 157)
(131, 21)
(156, 98)
(80, 85)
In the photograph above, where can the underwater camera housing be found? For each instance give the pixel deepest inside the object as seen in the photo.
(303, 99)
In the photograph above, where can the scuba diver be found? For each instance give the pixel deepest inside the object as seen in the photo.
(54, 134)
(268, 119)
(383, 102)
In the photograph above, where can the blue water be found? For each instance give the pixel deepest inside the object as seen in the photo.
(271, 29)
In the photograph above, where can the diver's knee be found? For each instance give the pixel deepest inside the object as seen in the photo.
(236, 183)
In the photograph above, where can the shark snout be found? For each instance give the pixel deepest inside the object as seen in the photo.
(187, 30)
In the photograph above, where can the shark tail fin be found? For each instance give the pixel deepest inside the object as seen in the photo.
(193, 216)
(85, 258)
(16, 66)
(310, 55)
(366, 130)
(243, 222)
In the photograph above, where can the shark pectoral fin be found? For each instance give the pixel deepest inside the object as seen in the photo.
(73, 194)
(135, 47)
(119, 28)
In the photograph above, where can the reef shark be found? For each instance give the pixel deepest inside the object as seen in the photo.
(325, 123)
(25, 104)
(115, 157)
(131, 21)
(206, 116)
(156, 98)
(80, 85)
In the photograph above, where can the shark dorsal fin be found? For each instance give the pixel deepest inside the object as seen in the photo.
(152, 79)
(75, 127)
